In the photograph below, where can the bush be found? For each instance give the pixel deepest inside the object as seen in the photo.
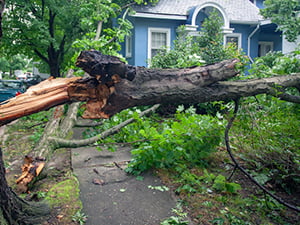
(268, 139)
(188, 139)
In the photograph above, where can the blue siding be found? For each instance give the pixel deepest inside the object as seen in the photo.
(260, 4)
(246, 30)
(139, 57)
(272, 37)
(140, 41)
(199, 19)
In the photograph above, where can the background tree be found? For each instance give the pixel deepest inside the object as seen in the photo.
(286, 14)
(45, 30)
(2, 2)
(15, 62)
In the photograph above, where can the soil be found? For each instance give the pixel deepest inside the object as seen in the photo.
(16, 144)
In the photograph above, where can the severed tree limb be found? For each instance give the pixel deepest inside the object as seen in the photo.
(47, 94)
(238, 166)
(114, 86)
(63, 143)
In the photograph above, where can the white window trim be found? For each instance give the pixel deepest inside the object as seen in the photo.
(238, 35)
(128, 46)
(158, 29)
(271, 43)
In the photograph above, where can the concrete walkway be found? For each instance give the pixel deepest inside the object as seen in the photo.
(112, 197)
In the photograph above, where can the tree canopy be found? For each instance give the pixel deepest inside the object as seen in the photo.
(46, 30)
(286, 14)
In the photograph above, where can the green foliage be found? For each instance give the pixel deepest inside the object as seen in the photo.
(275, 63)
(186, 140)
(107, 26)
(174, 220)
(210, 40)
(184, 53)
(285, 14)
(272, 146)
(192, 183)
(47, 30)
(159, 188)
(220, 184)
(36, 122)
(12, 63)
(270, 140)
(179, 219)
(207, 48)
(79, 217)
(42, 30)
(101, 18)
(128, 133)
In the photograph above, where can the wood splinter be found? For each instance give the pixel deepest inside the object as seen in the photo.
(30, 169)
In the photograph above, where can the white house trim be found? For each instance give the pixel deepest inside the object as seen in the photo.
(161, 30)
(244, 22)
(160, 16)
(249, 42)
(214, 5)
(128, 46)
(238, 35)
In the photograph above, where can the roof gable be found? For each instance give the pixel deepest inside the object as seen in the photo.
(238, 11)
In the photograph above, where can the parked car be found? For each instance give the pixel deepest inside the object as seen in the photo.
(10, 89)
(33, 80)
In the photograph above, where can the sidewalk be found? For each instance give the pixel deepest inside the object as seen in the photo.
(112, 197)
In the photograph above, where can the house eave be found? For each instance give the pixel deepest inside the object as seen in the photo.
(265, 22)
(244, 22)
(159, 16)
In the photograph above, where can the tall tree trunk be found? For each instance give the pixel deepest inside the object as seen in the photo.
(54, 68)
(53, 56)
(14, 210)
(53, 53)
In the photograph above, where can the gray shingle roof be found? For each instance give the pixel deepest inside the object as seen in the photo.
(236, 10)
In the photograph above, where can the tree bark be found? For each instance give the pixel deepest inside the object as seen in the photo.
(114, 86)
(14, 210)
(59, 142)
(2, 4)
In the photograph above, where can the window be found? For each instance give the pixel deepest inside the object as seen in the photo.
(157, 38)
(264, 47)
(128, 46)
(234, 38)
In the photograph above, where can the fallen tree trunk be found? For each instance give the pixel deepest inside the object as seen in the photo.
(114, 86)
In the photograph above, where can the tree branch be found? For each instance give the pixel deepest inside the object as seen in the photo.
(62, 143)
(284, 96)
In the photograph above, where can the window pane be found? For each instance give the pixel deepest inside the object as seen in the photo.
(158, 39)
(234, 40)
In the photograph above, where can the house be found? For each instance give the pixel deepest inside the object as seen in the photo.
(155, 26)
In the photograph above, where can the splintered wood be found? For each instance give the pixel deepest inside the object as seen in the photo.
(45, 95)
(113, 86)
(30, 169)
